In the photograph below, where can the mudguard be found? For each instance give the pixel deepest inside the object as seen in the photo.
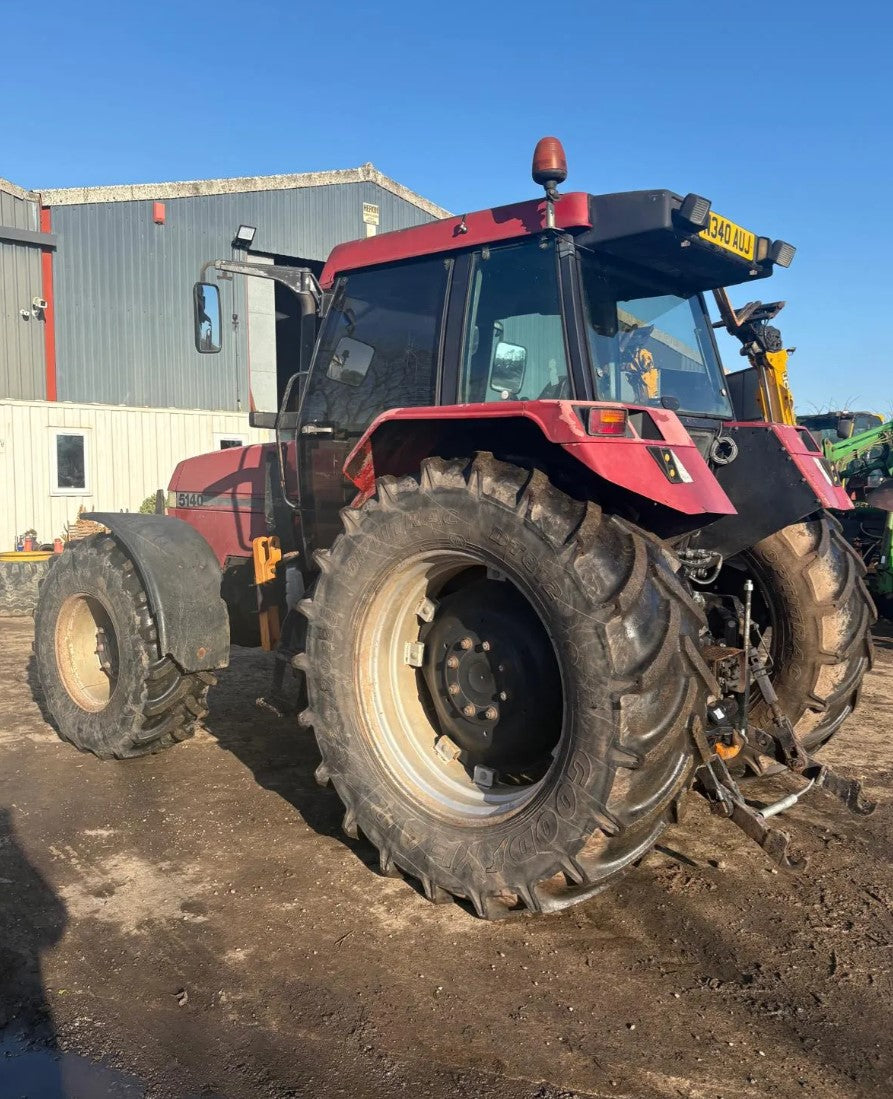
(181, 577)
(779, 477)
(638, 461)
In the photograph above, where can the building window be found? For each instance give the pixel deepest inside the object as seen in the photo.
(226, 440)
(69, 463)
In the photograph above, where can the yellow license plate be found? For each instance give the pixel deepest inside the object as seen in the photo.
(726, 234)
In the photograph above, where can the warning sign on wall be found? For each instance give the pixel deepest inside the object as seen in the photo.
(370, 218)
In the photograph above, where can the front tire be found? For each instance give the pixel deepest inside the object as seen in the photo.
(107, 688)
(476, 599)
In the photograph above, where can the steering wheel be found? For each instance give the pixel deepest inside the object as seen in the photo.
(556, 391)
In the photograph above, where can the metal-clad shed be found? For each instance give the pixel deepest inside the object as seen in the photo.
(103, 391)
(21, 331)
(123, 278)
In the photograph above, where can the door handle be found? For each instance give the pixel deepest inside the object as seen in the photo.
(317, 429)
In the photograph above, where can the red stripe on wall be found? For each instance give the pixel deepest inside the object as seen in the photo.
(49, 316)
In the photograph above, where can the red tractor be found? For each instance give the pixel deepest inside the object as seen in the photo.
(542, 565)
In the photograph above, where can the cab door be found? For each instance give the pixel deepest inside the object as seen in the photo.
(380, 348)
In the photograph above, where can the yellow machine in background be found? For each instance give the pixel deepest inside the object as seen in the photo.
(762, 345)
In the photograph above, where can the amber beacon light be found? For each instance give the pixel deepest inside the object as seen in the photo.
(549, 169)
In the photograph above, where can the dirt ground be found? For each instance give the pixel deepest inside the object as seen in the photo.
(197, 921)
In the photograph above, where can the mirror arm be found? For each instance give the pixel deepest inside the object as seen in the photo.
(300, 280)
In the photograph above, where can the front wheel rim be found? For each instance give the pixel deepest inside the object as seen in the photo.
(87, 652)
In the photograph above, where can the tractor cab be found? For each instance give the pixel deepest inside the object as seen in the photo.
(578, 298)
(591, 297)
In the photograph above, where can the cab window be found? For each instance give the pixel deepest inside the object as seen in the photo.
(647, 348)
(513, 348)
(379, 345)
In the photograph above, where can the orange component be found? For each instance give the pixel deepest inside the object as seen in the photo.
(607, 421)
(549, 162)
(729, 751)
(267, 553)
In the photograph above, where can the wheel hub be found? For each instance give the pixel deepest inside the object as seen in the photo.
(104, 652)
(491, 674)
(473, 683)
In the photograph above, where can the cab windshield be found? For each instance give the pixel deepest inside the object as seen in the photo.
(649, 348)
(824, 425)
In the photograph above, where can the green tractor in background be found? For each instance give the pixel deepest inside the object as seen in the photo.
(860, 447)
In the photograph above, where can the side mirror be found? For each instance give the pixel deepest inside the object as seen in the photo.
(846, 425)
(507, 371)
(206, 309)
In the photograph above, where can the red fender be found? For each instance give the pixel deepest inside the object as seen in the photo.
(629, 461)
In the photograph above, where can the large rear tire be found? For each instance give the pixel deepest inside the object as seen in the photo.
(107, 688)
(502, 682)
(809, 589)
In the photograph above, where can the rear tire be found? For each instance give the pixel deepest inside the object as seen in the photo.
(107, 688)
(585, 798)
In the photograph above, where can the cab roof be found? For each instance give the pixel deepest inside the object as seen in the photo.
(646, 229)
(451, 234)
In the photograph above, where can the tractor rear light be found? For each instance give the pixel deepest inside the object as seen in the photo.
(607, 421)
(171, 500)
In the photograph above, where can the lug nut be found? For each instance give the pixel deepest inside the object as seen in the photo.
(485, 645)
(453, 662)
(466, 643)
(468, 710)
(453, 688)
(503, 697)
(491, 713)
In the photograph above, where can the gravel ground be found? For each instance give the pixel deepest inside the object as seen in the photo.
(196, 921)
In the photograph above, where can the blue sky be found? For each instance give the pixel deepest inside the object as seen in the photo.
(782, 114)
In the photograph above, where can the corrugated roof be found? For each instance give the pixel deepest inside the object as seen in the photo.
(128, 192)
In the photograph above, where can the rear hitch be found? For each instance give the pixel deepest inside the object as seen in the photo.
(780, 743)
(726, 800)
(847, 790)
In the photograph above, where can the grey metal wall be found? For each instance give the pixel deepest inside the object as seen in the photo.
(123, 286)
(22, 372)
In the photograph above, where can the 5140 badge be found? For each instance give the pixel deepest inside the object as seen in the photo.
(190, 499)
